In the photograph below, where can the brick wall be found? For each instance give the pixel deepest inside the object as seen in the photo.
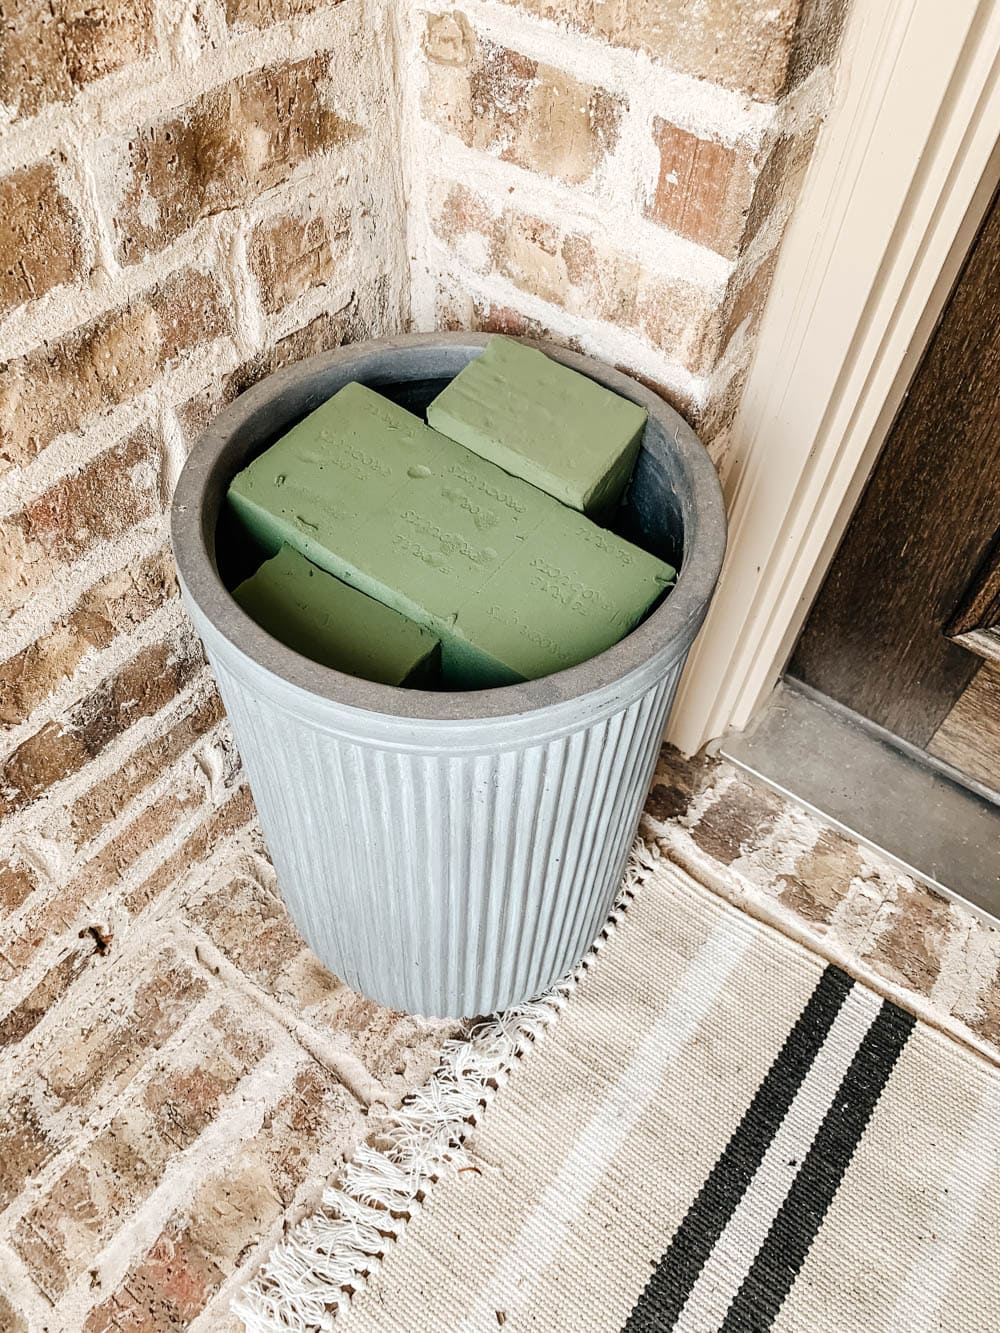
(615, 174)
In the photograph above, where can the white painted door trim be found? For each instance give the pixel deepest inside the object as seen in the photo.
(902, 173)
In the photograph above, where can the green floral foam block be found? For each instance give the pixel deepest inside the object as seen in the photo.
(514, 584)
(542, 421)
(332, 623)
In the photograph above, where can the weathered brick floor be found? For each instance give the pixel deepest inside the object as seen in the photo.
(783, 865)
(176, 1096)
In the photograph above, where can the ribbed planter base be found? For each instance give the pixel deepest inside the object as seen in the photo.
(448, 854)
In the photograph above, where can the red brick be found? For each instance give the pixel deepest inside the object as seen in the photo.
(102, 802)
(704, 188)
(101, 1049)
(507, 104)
(227, 147)
(61, 1234)
(119, 488)
(311, 1115)
(139, 689)
(742, 44)
(397, 1049)
(115, 605)
(534, 253)
(50, 49)
(130, 695)
(453, 308)
(10, 1320)
(780, 179)
(36, 764)
(40, 236)
(185, 1101)
(293, 253)
(610, 288)
(26, 1142)
(745, 300)
(236, 812)
(104, 868)
(94, 1198)
(490, 318)
(166, 1291)
(716, 415)
(198, 413)
(584, 276)
(230, 1033)
(25, 1017)
(458, 310)
(322, 334)
(202, 1246)
(64, 909)
(148, 828)
(738, 821)
(910, 950)
(252, 928)
(681, 321)
(815, 40)
(822, 877)
(17, 882)
(63, 385)
(371, 311)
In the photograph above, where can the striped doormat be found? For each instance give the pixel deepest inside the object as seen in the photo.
(719, 1132)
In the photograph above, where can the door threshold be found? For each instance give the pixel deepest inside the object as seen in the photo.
(846, 770)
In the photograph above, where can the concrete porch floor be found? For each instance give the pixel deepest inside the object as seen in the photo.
(174, 1098)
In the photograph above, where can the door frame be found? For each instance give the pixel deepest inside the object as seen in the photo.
(901, 176)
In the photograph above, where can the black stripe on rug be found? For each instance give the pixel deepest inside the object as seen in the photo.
(668, 1288)
(800, 1217)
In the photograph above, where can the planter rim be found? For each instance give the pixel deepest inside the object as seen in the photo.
(658, 641)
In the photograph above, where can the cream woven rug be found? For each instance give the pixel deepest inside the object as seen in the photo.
(719, 1132)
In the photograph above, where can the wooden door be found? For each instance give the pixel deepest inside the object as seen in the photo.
(906, 628)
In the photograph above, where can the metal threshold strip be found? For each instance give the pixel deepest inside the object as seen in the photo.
(884, 793)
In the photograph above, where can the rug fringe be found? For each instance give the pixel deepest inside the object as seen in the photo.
(314, 1272)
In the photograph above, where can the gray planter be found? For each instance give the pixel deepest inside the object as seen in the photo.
(448, 853)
